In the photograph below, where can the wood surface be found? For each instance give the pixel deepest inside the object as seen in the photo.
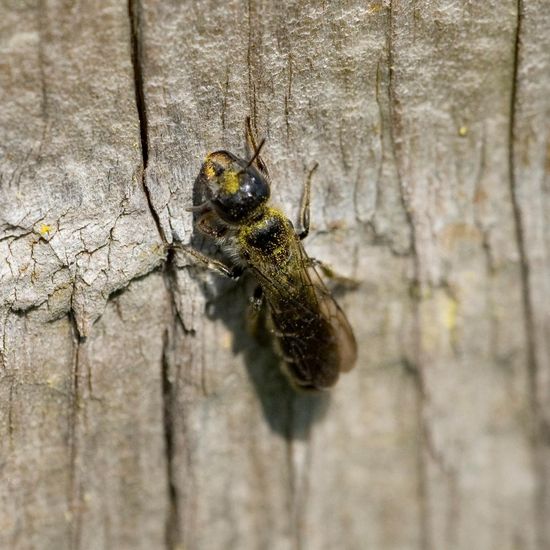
(136, 410)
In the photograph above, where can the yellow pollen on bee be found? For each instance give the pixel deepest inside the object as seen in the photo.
(209, 169)
(230, 182)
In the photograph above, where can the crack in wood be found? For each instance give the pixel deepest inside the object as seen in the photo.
(75, 489)
(395, 132)
(249, 63)
(539, 426)
(172, 534)
(134, 14)
(172, 525)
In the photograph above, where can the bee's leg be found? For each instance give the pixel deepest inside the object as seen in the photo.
(327, 271)
(304, 207)
(258, 319)
(257, 300)
(233, 272)
(252, 148)
(207, 225)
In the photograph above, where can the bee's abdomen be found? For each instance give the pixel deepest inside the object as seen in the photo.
(310, 348)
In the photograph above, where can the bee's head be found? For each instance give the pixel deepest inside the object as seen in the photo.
(233, 186)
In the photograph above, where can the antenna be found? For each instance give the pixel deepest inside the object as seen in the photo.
(254, 156)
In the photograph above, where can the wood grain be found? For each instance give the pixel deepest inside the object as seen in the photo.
(135, 408)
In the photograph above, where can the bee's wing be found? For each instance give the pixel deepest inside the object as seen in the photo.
(331, 309)
(278, 283)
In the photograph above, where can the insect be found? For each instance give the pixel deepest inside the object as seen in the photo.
(313, 335)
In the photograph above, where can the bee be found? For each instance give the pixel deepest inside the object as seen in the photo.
(312, 333)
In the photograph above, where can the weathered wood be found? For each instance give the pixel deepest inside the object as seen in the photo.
(529, 178)
(81, 421)
(135, 408)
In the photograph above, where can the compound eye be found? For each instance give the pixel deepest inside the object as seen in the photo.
(254, 185)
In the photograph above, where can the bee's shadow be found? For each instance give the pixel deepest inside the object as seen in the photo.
(289, 413)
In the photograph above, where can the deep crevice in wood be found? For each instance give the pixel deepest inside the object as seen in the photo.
(172, 519)
(75, 492)
(539, 429)
(134, 12)
(171, 527)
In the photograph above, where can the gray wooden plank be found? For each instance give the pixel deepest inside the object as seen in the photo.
(529, 168)
(253, 465)
(451, 85)
(75, 226)
(151, 417)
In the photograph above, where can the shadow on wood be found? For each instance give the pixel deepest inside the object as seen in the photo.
(289, 413)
